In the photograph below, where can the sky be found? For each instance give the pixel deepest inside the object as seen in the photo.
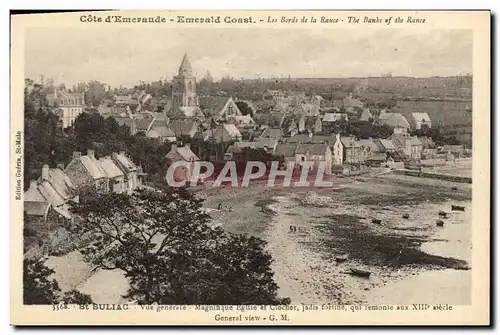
(126, 56)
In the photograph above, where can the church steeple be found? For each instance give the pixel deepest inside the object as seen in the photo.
(185, 68)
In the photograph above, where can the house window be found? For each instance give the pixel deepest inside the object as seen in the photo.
(302, 159)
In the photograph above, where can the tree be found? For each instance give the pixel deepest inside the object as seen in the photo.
(38, 289)
(163, 242)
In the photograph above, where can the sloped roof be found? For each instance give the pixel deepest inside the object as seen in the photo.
(366, 115)
(273, 119)
(311, 148)
(394, 120)
(452, 148)
(36, 208)
(62, 184)
(112, 171)
(124, 163)
(190, 111)
(266, 143)
(185, 153)
(369, 144)
(421, 117)
(182, 126)
(33, 193)
(298, 138)
(51, 194)
(349, 142)
(239, 146)
(93, 167)
(286, 149)
(232, 130)
(427, 143)
(272, 133)
(289, 119)
(414, 140)
(387, 144)
(158, 132)
(399, 141)
(306, 109)
(185, 68)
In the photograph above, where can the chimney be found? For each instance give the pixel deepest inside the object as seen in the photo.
(76, 154)
(122, 153)
(107, 157)
(60, 166)
(174, 147)
(90, 153)
(45, 172)
(188, 145)
(114, 155)
(337, 136)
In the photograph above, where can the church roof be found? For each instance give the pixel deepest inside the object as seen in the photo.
(185, 68)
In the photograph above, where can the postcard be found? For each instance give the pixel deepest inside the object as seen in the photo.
(250, 168)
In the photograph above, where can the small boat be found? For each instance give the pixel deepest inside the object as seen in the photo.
(406, 216)
(377, 221)
(360, 273)
(341, 258)
(457, 208)
(439, 223)
(443, 214)
(454, 188)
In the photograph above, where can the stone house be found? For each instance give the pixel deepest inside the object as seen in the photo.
(131, 180)
(85, 172)
(315, 153)
(347, 150)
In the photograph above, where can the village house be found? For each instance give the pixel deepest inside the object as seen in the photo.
(268, 144)
(347, 150)
(314, 153)
(409, 146)
(306, 109)
(160, 129)
(224, 133)
(86, 173)
(115, 176)
(242, 121)
(316, 100)
(287, 150)
(394, 120)
(421, 120)
(131, 172)
(334, 117)
(350, 103)
(184, 154)
(188, 127)
(273, 120)
(48, 199)
(372, 152)
(122, 100)
(274, 133)
(278, 95)
(366, 115)
(429, 148)
(387, 146)
(67, 106)
(234, 150)
(162, 133)
(224, 108)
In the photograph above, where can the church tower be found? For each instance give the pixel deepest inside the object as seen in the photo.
(184, 87)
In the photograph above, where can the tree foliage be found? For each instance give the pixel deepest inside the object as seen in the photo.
(164, 243)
